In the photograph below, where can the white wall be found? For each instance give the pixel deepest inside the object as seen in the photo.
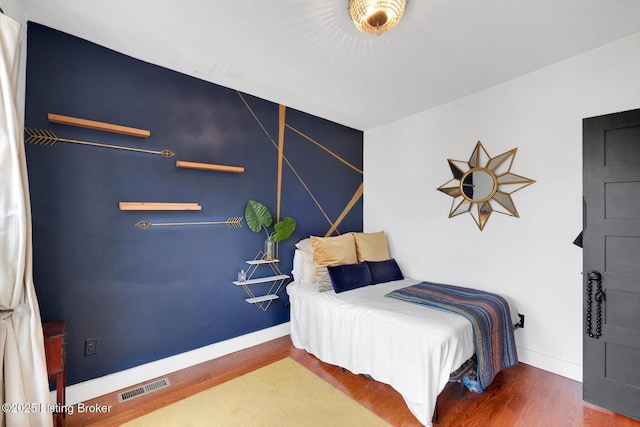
(15, 10)
(530, 258)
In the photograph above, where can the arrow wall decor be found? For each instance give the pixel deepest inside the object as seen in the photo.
(47, 137)
(232, 222)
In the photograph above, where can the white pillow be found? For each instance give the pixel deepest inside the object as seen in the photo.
(308, 268)
(304, 269)
(296, 272)
(307, 271)
(305, 245)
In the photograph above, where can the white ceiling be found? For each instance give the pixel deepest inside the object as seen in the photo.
(307, 54)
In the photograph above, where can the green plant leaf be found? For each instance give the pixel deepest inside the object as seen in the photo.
(257, 216)
(283, 229)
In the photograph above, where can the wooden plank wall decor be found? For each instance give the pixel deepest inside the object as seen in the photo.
(158, 206)
(91, 124)
(208, 166)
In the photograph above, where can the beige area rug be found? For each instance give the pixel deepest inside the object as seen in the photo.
(284, 393)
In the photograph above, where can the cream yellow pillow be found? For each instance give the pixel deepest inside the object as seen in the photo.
(372, 246)
(330, 251)
(337, 250)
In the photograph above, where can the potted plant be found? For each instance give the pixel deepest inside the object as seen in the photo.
(259, 218)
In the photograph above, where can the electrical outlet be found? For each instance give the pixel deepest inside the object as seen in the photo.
(521, 323)
(90, 346)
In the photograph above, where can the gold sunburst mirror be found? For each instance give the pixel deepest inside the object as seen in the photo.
(484, 185)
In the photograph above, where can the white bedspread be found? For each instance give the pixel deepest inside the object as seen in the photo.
(412, 348)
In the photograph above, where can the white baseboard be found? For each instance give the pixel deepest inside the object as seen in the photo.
(549, 363)
(84, 391)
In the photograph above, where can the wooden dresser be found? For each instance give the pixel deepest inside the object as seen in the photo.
(56, 369)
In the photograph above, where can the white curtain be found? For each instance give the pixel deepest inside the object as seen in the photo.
(23, 379)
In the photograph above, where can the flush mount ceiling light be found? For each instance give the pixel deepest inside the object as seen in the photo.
(376, 16)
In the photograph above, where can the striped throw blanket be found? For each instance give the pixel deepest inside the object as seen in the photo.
(488, 313)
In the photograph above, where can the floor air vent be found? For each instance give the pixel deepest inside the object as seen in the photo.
(144, 389)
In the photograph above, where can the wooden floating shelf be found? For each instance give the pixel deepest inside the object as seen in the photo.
(208, 166)
(91, 124)
(153, 206)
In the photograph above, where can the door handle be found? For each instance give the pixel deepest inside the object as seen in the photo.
(599, 297)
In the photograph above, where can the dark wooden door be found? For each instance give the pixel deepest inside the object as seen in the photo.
(611, 152)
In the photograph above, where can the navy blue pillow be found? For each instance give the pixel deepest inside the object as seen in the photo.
(349, 276)
(384, 271)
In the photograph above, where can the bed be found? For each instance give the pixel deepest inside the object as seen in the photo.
(411, 347)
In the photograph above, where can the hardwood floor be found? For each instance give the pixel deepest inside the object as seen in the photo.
(519, 396)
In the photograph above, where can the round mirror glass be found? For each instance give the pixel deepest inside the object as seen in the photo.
(478, 185)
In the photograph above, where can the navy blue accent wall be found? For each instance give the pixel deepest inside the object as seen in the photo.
(149, 294)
